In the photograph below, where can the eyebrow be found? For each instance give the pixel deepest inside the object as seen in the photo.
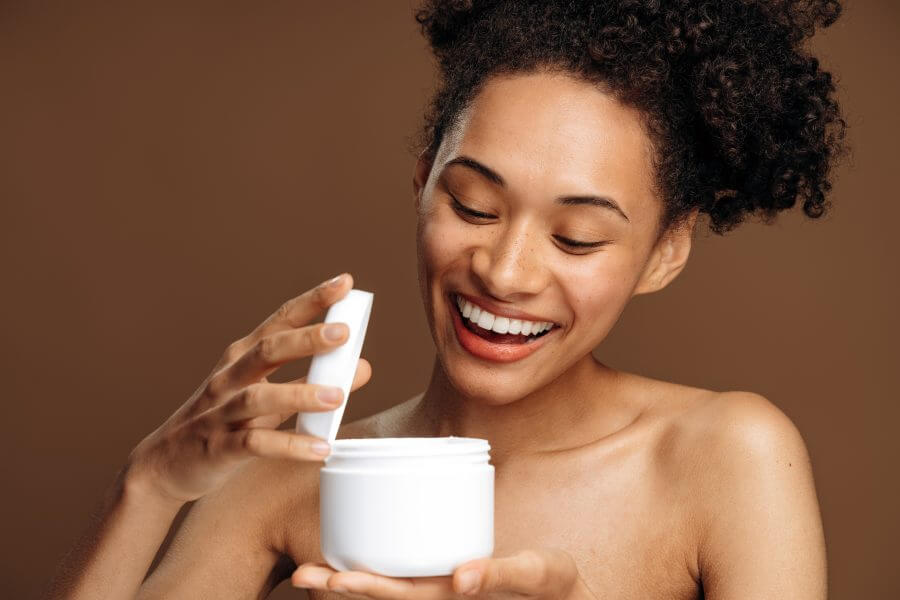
(495, 178)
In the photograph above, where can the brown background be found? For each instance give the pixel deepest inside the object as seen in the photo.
(170, 174)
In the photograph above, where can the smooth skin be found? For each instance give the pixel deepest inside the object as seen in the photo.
(607, 484)
(227, 423)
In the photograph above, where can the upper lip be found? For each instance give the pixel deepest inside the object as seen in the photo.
(494, 309)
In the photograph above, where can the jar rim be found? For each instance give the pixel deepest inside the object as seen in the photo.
(408, 446)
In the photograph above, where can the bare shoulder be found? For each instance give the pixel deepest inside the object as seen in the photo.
(715, 436)
(745, 426)
(754, 503)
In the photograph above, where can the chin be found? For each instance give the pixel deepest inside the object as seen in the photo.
(487, 385)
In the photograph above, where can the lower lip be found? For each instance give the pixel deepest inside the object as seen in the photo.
(482, 348)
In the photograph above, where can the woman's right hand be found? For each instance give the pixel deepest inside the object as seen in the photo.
(233, 415)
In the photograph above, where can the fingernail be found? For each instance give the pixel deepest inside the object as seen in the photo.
(333, 332)
(339, 590)
(320, 447)
(329, 395)
(334, 281)
(468, 581)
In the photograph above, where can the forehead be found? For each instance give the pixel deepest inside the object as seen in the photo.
(548, 131)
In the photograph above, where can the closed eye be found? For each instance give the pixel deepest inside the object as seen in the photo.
(466, 210)
(576, 244)
(459, 207)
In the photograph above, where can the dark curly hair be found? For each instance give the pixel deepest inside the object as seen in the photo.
(740, 117)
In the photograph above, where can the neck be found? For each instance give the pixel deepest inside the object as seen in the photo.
(576, 408)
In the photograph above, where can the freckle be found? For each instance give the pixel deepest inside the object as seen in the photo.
(790, 464)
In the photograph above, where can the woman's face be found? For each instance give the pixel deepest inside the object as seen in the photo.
(494, 226)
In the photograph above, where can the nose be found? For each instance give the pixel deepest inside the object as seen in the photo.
(509, 263)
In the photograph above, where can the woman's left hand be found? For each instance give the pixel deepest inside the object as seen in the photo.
(546, 574)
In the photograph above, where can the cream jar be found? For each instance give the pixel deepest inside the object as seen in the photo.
(406, 507)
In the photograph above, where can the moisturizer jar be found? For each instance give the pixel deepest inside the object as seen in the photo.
(406, 507)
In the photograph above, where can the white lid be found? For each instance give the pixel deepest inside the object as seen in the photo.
(338, 366)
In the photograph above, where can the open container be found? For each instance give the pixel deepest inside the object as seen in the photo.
(406, 507)
(400, 507)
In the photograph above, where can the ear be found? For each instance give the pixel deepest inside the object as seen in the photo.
(420, 176)
(667, 258)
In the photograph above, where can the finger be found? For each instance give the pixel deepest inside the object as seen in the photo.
(272, 421)
(362, 375)
(301, 309)
(260, 399)
(274, 350)
(315, 576)
(381, 587)
(312, 575)
(530, 572)
(271, 443)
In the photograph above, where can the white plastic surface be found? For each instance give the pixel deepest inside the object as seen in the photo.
(416, 513)
(338, 366)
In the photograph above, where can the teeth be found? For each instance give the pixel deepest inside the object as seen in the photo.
(501, 325)
(486, 320)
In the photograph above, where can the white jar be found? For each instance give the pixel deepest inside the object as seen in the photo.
(406, 507)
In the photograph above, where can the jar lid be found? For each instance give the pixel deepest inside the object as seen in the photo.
(337, 367)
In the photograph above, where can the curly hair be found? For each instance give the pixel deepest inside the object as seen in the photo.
(740, 117)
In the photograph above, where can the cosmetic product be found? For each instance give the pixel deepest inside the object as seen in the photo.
(406, 507)
(400, 507)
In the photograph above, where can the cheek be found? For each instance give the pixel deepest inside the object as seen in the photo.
(600, 289)
(439, 243)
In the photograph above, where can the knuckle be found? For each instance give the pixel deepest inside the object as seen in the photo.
(312, 337)
(233, 351)
(250, 441)
(267, 349)
(291, 444)
(535, 565)
(251, 397)
(304, 395)
(319, 297)
(284, 311)
(211, 444)
(215, 385)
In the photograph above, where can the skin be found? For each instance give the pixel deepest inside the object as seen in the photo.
(608, 484)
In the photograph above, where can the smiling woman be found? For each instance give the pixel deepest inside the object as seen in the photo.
(567, 155)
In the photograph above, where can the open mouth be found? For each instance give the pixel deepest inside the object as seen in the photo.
(493, 336)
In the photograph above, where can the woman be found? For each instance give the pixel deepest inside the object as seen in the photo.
(565, 160)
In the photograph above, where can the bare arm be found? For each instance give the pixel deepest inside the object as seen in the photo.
(763, 536)
(227, 424)
(228, 545)
(115, 551)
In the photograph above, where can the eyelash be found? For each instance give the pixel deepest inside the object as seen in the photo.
(459, 207)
